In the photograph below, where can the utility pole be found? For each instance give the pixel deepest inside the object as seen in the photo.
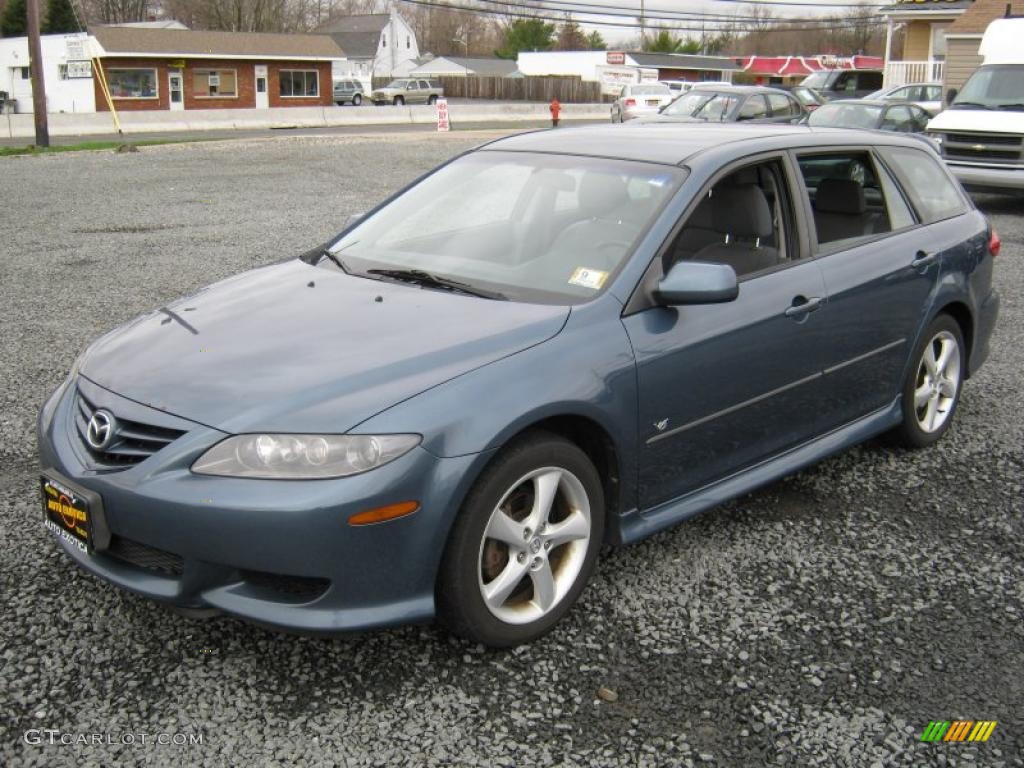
(643, 27)
(35, 56)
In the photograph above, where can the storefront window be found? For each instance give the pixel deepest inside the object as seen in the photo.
(299, 83)
(132, 83)
(214, 83)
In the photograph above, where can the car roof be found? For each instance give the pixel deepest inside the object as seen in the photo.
(674, 143)
(730, 88)
(871, 102)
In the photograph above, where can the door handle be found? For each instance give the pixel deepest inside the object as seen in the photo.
(804, 307)
(923, 260)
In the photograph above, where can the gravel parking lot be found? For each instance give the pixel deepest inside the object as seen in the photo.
(823, 621)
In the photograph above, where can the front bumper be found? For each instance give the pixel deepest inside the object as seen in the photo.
(276, 552)
(988, 178)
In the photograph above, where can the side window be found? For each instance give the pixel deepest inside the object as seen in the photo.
(900, 215)
(897, 119)
(412, 85)
(753, 108)
(782, 105)
(921, 118)
(899, 94)
(847, 81)
(424, 85)
(846, 200)
(869, 81)
(745, 220)
(932, 192)
(933, 93)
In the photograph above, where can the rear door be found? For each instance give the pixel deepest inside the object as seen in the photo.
(879, 268)
(785, 108)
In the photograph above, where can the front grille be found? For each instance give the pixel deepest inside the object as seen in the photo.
(998, 148)
(144, 556)
(133, 441)
(985, 138)
(293, 587)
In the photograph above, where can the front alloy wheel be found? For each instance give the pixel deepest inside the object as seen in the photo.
(524, 544)
(932, 390)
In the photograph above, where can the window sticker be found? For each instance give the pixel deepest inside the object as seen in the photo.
(588, 278)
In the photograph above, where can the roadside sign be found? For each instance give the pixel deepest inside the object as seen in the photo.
(442, 115)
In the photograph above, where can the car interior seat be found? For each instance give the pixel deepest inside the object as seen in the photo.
(840, 211)
(742, 217)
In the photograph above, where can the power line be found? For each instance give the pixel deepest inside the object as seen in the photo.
(779, 24)
(556, 6)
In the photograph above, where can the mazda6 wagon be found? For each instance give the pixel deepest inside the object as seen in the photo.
(555, 341)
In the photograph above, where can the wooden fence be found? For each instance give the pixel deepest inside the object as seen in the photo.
(568, 90)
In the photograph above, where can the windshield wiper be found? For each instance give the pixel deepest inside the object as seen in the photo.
(428, 280)
(1013, 105)
(969, 104)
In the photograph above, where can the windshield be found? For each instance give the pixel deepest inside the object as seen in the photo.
(845, 116)
(703, 104)
(818, 79)
(996, 87)
(540, 228)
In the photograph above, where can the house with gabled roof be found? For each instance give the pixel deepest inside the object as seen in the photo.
(375, 45)
(921, 56)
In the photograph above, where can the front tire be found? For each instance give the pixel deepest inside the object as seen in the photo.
(931, 392)
(399, 101)
(524, 544)
(432, 100)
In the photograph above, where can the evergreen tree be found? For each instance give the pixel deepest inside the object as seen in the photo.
(595, 42)
(14, 22)
(526, 35)
(60, 17)
(571, 37)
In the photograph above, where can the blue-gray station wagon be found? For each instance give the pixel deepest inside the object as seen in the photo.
(555, 341)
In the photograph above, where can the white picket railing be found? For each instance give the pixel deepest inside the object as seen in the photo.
(904, 72)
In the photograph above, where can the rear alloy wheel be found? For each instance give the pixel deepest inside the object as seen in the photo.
(357, 100)
(524, 545)
(932, 391)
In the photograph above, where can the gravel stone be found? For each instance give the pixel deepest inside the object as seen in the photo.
(893, 578)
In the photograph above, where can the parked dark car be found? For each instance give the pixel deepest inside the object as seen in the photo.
(844, 83)
(879, 115)
(557, 340)
(733, 103)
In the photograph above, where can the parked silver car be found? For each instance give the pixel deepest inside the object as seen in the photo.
(408, 91)
(928, 96)
(640, 100)
(348, 91)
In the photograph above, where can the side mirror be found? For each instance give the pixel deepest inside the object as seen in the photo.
(951, 94)
(697, 282)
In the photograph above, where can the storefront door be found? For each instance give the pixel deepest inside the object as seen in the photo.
(174, 87)
(261, 87)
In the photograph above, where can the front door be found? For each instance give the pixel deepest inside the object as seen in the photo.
(175, 89)
(262, 101)
(724, 386)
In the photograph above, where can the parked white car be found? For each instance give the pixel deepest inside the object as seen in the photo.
(981, 133)
(640, 100)
(928, 96)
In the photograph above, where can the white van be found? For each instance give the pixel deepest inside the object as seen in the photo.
(982, 132)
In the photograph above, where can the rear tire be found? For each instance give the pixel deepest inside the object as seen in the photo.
(524, 544)
(357, 100)
(931, 392)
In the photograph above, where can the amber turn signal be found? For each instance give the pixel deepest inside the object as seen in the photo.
(382, 514)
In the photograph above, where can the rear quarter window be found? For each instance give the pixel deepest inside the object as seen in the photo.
(930, 189)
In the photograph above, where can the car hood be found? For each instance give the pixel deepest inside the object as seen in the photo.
(294, 348)
(984, 120)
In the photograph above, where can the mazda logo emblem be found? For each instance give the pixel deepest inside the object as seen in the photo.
(101, 430)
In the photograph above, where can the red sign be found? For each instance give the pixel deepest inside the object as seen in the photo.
(616, 58)
(442, 115)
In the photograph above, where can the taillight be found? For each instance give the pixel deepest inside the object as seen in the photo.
(630, 102)
(994, 243)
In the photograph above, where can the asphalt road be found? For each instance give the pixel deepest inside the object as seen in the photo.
(822, 621)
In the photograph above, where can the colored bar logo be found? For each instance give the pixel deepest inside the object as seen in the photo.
(958, 730)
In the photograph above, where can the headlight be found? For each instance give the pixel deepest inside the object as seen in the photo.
(936, 137)
(302, 457)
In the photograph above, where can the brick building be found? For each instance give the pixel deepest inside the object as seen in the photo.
(176, 69)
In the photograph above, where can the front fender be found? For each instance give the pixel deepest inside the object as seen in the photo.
(587, 370)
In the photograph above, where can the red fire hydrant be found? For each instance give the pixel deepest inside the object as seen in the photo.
(555, 109)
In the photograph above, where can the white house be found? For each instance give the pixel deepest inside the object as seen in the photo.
(464, 66)
(67, 73)
(375, 45)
